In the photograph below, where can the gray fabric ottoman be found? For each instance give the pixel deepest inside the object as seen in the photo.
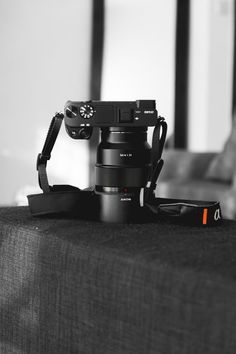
(71, 286)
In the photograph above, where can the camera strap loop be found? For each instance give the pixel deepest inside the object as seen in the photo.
(158, 139)
(45, 155)
(158, 142)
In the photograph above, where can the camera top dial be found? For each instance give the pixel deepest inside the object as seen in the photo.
(86, 111)
(71, 111)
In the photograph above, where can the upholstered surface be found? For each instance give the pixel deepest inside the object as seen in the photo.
(70, 286)
(185, 175)
(223, 165)
(192, 189)
(198, 189)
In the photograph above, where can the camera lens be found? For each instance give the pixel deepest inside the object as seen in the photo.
(122, 169)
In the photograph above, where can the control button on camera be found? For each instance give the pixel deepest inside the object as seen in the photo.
(80, 132)
(146, 104)
(71, 111)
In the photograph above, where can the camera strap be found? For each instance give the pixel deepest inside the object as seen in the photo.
(70, 200)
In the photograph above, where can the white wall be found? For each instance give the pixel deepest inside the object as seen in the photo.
(211, 73)
(45, 60)
(139, 62)
(139, 53)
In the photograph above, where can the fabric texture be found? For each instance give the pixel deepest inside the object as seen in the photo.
(184, 176)
(198, 189)
(73, 286)
(223, 166)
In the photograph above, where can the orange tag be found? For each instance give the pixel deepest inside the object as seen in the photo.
(204, 216)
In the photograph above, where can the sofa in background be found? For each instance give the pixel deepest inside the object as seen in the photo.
(184, 175)
(202, 176)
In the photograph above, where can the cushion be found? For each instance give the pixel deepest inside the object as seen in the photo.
(199, 189)
(223, 166)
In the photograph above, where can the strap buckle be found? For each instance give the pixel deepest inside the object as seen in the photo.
(42, 160)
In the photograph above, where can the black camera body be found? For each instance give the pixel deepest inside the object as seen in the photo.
(124, 157)
(126, 169)
(81, 117)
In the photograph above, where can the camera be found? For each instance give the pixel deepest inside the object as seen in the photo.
(126, 168)
(124, 157)
(81, 117)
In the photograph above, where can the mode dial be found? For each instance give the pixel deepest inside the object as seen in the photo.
(86, 111)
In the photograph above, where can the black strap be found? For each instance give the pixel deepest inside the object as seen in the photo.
(193, 212)
(45, 155)
(158, 142)
(60, 199)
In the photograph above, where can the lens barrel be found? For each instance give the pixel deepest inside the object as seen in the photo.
(122, 169)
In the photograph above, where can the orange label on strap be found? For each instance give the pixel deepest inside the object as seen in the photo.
(204, 216)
